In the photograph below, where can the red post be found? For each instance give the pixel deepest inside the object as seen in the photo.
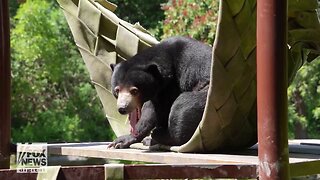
(5, 120)
(272, 89)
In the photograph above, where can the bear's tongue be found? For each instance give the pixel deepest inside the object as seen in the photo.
(134, 117)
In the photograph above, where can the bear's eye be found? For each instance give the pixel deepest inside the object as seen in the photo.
(134, 91)
(117, 90)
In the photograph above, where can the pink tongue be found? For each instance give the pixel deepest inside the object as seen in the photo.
(134, 117)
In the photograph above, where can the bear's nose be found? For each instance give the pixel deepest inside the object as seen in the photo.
(122, 111)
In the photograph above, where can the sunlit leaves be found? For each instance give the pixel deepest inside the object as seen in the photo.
(192, 18)
(52, 99)
(307, 84)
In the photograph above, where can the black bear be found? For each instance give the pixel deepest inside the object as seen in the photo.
(169, 82)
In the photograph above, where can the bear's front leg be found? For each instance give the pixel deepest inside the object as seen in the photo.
(143, 128)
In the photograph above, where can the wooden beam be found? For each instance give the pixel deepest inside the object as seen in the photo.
(166, 171)
(5, 120)
(147, 171)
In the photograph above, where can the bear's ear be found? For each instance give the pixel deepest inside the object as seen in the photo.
(157, 71)
(112, 67)
(154, 70)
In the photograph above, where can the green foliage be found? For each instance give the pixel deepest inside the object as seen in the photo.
(304, 99)
(51, 97)
(13, 7)
(148, 13)
(192, 18)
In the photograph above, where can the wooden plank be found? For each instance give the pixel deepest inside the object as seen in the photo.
(305, 168)
(148, 171)
(100, 150)
(168, 171)
(164, 171)
(13, 175)
(189, 171)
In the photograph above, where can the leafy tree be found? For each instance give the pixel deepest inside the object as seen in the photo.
(304, 102)
(192, 18)
(148, 13)
(13, 7)
(51, 97)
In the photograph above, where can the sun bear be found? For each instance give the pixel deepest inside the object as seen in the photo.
(169, 83)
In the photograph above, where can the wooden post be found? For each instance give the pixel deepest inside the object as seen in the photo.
(272, 89)
(5, 120)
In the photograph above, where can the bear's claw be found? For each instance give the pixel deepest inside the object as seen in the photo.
(123, 142)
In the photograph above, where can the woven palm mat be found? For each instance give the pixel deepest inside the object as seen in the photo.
(229, 120)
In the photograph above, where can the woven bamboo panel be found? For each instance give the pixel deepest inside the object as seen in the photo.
(102, 38)
(230, 120)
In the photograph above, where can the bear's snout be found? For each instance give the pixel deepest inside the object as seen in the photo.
(127, 102)
(124, 103)
(122, 111)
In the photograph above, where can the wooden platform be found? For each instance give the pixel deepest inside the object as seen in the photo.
(304, 156)
(304, 160)
(309, 150)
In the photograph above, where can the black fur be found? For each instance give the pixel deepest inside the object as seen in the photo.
(173, 78)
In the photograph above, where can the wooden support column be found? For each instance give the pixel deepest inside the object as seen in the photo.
(272, 89)
(5, 120)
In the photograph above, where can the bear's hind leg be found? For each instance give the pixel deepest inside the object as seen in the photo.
(185, 115)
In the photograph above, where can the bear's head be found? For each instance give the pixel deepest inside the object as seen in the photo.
(134, 84)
